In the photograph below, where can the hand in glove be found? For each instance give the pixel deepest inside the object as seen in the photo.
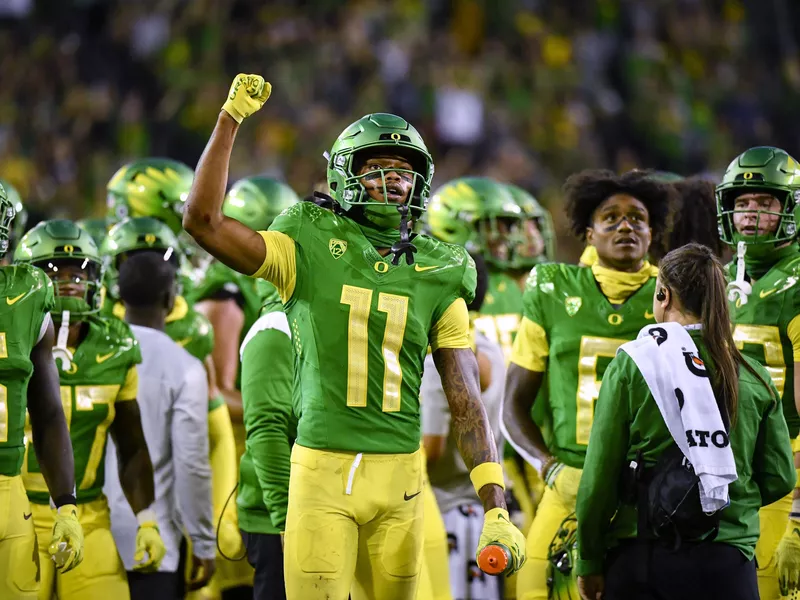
(66, 545)
(148, 541)
(788, 557)
(498, 529)
(247, 95)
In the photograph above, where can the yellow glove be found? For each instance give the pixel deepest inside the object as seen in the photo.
(498, 529)
(788, 557)
(564, 481)
(148, 540)
(66, 545)
(246, 96)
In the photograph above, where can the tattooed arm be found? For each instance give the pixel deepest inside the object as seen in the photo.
(458, 369)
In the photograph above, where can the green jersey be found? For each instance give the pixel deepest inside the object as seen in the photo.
(29, 298)
(583, 331)
(102, 373)
(361, 327)
(501, 312)
(766, 328)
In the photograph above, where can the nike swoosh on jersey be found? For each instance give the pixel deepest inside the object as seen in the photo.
(29, 515)
(648, 315)
(103, 358)
(406, 497)
(14, 300)
(763, 294)
(182, 343)
(419, 268)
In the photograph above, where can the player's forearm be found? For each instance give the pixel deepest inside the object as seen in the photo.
(136, 479)
(523, 434)
(203, 211)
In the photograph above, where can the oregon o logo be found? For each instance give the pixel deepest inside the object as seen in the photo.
(615, 319)
(150, 239)
(381, 267)
(748, 176)
(69, 249)
(395, 136)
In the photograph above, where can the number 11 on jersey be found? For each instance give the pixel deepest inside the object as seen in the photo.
(396, 308)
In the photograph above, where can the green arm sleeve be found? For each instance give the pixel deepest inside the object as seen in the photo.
(598, 494)
(773, 464)
(268, 419)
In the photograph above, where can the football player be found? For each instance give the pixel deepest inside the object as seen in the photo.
(98, 357)
(192, 331)
(363, 310)
(17, 228)
(579, 317)
(29, 378)
(232, 302)
(758, 215)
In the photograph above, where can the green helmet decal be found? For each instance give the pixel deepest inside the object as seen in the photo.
(59, 243)
(763, 170)
(17, 228)
(133, 235)
(6, 219)
(150, 187)
(480, 214)
(97, 228)
(539, 233)
(382, 134)
(256, 201)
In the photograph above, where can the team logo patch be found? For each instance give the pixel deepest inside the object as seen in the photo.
(573, 305)
(337, 248)
(695, 365)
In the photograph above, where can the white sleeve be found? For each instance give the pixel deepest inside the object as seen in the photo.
(190, 457)
(435, 411)
(43, 329)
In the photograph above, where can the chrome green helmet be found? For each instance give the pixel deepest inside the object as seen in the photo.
(766, 170)
(134, 235)
(16, 229)
(7, 214)
(97, 228)
(55, 244)
(480, 214)
(150, 187)
(378, 133)
(534, 213)
(256, 201)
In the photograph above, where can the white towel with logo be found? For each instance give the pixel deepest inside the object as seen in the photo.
(668, 360)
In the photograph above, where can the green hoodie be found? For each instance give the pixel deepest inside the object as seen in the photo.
(628, 420)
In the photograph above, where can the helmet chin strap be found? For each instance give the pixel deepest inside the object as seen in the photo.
(60, 351)
(739, 289)
(404, 245)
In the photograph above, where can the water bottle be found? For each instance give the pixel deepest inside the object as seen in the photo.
(494, 559)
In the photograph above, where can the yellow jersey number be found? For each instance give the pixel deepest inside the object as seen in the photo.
(592, 348)
(396, 308)
(769, 338)
(500, 329)
(86, 398)
(3, 395)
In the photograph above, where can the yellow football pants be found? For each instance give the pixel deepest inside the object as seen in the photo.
(354, 525)
(19, 555)
(101, 575)
(772, 522)
(434, 580)
(532, 579)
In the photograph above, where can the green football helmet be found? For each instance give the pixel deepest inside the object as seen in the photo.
(767, 170)
(150, 187)
(97, 228)
(535, 213)
(134, 235)
(6, 219)
(391, 135)
(480, 214)
(562, 556)
(52, 244)
(256, 201)
(16, 229)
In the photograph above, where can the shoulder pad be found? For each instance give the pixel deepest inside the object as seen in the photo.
(545, 274)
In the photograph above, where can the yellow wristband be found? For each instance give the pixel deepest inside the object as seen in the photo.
(485, 474)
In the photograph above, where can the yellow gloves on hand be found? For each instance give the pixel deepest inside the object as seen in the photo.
(148, 540)
(788, 557)
(247, 95)
(498, 529)
(564, 481)
(66, 546)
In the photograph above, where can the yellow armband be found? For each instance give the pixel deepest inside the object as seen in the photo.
(486, 474)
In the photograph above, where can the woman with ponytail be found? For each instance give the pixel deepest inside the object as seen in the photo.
(625, 551)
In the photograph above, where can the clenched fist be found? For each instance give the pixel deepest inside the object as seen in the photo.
(246, 96)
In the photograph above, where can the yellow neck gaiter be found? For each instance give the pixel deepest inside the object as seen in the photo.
(179, 310)
(618, 286)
